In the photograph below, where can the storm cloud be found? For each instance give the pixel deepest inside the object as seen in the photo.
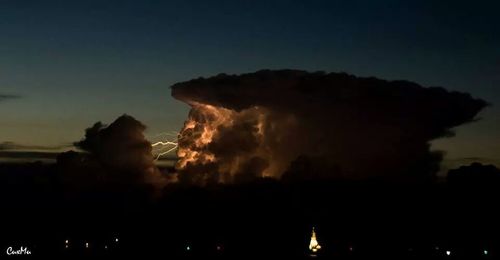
(121, 148)
(291, 123)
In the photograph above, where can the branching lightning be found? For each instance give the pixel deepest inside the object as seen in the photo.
(169, 145)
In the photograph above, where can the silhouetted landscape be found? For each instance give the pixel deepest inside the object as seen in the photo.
(354, 220)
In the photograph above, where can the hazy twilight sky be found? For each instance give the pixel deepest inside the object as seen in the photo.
(66, 64)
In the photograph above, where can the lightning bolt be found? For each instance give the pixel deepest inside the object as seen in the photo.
(165, 144)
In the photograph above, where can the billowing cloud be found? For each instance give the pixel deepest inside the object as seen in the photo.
(121, 147)
(271, 122)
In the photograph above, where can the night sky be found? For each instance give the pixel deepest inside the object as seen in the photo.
(65, 65)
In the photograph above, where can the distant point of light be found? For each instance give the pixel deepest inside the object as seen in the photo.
(485, 252)
(66, 246)
(66, 241)
(106, 247)
(86, 245)
(188, 248)
(116, 240)
(448, 252)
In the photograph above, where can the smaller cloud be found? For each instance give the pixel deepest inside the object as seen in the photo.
(4, 97)
(12, 146)
(27, 155)
(469, 160)
(11, 151)
(122, 147)
(452, 163)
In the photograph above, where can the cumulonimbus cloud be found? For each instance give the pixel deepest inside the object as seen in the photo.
(291, 124)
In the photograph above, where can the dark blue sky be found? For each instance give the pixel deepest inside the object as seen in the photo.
(77, 62)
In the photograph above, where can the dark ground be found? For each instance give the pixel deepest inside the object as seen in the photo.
(260, 220)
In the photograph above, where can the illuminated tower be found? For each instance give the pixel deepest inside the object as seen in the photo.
(314, 245)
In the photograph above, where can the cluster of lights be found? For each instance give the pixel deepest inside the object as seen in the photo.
(86, 243)
(449, 253)
(219, 247)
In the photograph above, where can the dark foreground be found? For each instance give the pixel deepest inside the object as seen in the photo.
(264, 219)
